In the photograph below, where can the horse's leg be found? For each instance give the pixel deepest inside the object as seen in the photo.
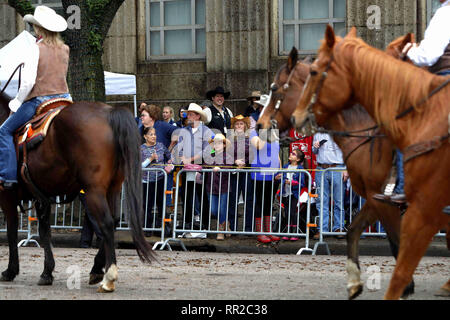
(45, 235)
(391, 223)
(98, 206)
(96, 275)
(417, 232)
(10, 210)
(354, 284)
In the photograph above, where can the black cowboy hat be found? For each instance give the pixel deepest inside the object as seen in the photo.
(212, 93)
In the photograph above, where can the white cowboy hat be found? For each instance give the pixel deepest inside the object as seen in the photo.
(263, 100)
(47, 18)
(193, 107)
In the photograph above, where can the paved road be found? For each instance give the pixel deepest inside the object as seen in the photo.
(205, 275)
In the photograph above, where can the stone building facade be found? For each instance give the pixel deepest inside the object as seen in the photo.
(237, 44)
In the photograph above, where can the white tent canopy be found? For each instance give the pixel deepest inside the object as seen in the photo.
(13, 54)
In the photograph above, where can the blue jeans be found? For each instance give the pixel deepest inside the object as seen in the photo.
(400, 183)
(219, 205)
(8, 160)
(331, 179)
(444, 73)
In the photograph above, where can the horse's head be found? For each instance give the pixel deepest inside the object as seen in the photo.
(4, 109)
(395, 47)
(285, 93)
(328, 87)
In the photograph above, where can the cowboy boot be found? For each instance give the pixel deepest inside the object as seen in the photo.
(268, 228)
(261, 238)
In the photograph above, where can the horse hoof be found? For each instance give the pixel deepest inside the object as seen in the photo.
(106, 287)
(45, 281)
(442, 293)
(409, 290)
(7, 276)
(354, 291)
(95, 278)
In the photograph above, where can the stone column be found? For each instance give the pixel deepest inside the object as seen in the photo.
(237, 46)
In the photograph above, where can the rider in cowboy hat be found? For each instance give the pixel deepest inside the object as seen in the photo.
(219, 114)
(432, 52)
(43, 78)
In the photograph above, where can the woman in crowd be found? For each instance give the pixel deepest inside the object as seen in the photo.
(241, 182)
(168, 115)
(266, 155)
(154, 155)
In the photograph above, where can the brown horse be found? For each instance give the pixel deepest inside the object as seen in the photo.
(89, 146)
(289, 81)
(348, 71)
(368, 159)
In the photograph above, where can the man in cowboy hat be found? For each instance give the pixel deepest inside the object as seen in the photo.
(253, 106)
(192, 140)
(219, 114)
(43, 78)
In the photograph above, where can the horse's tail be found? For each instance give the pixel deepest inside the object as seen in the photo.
(127, 141)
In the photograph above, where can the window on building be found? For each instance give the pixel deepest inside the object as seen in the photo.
(175, 29)
(432, 6)
(303, 23)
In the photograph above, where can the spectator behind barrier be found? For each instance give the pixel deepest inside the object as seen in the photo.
(291, 185)
(216, 183)
(154, 155)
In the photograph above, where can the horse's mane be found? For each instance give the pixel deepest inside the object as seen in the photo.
(393, 85)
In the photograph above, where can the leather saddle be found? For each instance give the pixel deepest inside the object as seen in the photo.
(34, 131)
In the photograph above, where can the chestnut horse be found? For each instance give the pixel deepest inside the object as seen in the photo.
(348, 71)
(89, 146)
(368, 157)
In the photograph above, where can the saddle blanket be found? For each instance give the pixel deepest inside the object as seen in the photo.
(34, 131)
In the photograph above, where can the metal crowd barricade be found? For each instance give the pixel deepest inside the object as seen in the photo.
(69, 216)
(374, 230)
(200, 221)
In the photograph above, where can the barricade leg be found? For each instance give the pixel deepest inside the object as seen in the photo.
(30, 236)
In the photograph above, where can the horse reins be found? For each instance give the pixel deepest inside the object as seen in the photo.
(432, 93)
(19, 67)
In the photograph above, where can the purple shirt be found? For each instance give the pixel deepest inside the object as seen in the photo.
(163, 158)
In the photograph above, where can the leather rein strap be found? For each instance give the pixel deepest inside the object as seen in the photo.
(19, 67)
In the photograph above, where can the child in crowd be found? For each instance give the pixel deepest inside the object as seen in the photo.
(217, 183)
(291, 186)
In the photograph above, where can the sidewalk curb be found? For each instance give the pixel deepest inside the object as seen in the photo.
(246, 244)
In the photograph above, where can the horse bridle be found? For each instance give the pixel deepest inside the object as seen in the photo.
(273, 89)
(310, 119)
